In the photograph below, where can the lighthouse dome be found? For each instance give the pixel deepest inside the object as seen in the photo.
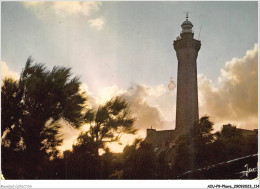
(187, 23)
(187, 26)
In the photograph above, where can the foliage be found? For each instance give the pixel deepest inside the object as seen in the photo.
(33, 107)
(235, 142)
(11, 113)
(181, 154)
(209, 148)
(139, 161)
(107, 124)
(203, 139)
(110, 121)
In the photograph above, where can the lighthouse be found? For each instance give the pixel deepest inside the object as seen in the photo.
(187, 113)
(187, 49)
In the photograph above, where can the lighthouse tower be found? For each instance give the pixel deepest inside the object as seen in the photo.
(187, 49)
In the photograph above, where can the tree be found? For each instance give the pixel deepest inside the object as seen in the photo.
(192, 149)
(139, 161)
(107, 124)
(204, 129)
(11, 112)
(234, 143)
(34, 108)
(82, 162)
(203, 138)
(181, 155)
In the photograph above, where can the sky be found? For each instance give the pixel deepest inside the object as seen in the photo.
(125, 48)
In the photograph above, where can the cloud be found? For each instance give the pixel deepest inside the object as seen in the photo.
(234, 99)
(6, 72)
(49, 10)
(107, 93)
(70, 136)
(74, 7)
(63, 8)
(147, 113)
(91, 99)
(97, 23)
(151, 106)
(32, 3)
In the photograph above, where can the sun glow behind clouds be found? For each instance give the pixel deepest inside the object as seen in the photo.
(126, 139)
(145, 105)
(6, 72)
